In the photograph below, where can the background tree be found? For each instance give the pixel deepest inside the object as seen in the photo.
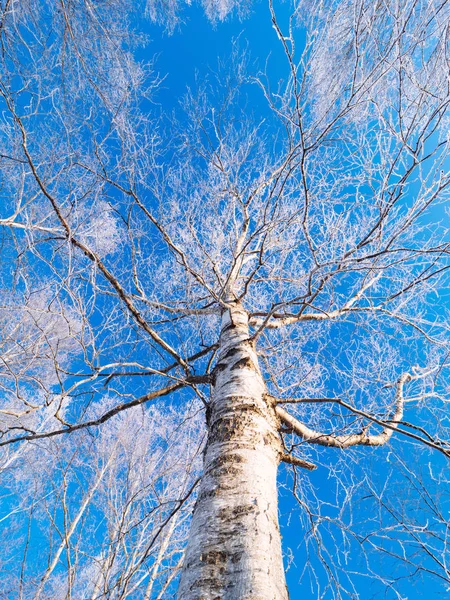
(276, 262)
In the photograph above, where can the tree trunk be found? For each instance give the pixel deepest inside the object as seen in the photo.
(234, 548)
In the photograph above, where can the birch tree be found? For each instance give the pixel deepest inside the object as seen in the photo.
(273, 258)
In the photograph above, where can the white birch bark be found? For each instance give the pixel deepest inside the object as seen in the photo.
(234, 548)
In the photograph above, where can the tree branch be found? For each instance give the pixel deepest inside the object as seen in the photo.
(105, 417)
(356, 439)
(298, 462)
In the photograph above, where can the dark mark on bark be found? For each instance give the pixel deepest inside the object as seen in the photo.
(230, 353)
(227, 459)
(230, 514)
(213, 557)
(234, 422)
(227, 327)
(243, 363)
(220, 367)
(209, 582)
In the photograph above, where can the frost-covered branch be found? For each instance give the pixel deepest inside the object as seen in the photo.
(357, 439)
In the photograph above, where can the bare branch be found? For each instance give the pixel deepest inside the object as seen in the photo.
(358, 439)
(298, 462)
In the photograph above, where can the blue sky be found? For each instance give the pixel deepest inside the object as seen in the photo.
(195, 47)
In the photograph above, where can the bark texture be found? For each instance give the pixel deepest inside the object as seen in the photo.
(234, 548)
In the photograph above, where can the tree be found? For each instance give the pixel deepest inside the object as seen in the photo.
(279, 269)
